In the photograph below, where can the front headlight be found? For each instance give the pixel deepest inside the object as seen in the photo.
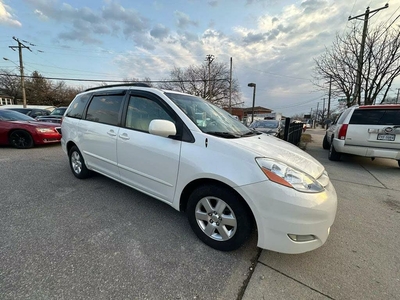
(280, 173)
(44, 130)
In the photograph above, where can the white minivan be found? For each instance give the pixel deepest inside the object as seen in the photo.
(188, 153)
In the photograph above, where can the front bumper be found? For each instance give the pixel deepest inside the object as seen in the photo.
(280, 211)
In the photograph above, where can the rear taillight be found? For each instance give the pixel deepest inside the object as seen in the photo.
(343, 132)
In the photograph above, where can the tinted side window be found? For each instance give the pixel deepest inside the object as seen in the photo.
(105, 109)
(343, 116)
(141, 111)
(75, 110)
(375, 117)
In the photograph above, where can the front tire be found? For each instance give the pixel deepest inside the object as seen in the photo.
(333, 155)
(21, 139)
(219, 217)
(325, 143)
(77, 164)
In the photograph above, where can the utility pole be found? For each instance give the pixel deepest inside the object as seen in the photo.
(323, 109)
(329, 97)
(357, 92)
(21, 66)
(210, 59)
(230, 87)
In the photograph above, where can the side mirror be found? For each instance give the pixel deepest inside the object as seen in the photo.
(163, 128)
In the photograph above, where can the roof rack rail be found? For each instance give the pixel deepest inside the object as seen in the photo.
(141, 84)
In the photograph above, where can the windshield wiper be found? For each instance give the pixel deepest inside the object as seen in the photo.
(227, 135)
(251, 133)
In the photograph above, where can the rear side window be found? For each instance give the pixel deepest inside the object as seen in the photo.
(105, 109)
(343, 116)
(75, 110)
(375, 117)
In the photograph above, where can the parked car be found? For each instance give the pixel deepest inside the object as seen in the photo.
(21, 131)
(31, 112)
(194, 156)
(272, 127)
(55, 116)
(369, 131)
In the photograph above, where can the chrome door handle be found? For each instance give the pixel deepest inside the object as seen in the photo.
(111, 133)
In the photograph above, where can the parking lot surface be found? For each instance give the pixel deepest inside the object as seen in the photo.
(64, 238)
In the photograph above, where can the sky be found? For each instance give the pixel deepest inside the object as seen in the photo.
(272, 43)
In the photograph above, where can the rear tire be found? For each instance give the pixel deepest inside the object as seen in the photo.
(325, 143)
(219, 217)
(21, 139)
(333, 155)
(77, 164)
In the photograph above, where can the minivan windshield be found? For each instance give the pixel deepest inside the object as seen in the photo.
(210, 118)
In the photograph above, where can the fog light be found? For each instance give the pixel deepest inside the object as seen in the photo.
(301, 238)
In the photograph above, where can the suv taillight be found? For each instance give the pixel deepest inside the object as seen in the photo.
(343, 132)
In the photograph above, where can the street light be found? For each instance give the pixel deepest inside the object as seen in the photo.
(253, 85)
(21, 70)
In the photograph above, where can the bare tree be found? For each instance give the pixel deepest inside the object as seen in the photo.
(10, 84)
(195, 80)
(381, 64)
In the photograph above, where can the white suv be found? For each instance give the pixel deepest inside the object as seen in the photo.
(370, 131)
(194, 156)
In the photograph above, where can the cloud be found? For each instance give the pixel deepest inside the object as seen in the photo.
(183, 20)
(159, 32)
(85, 25)
(311, 6)
(6, 17)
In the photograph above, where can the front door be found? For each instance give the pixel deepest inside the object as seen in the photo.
(148, 162)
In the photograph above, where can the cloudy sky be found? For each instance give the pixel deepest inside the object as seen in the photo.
(272, 42)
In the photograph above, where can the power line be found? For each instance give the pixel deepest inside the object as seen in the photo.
(107, 80)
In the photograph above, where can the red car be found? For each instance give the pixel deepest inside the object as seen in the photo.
(21, 131)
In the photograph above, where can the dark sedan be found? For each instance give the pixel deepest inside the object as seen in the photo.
(21, 131)
(272, 127)
(55, 116)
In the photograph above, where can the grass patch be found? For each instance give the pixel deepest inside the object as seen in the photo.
(306, 138)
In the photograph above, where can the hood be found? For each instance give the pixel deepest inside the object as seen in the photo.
(268, 146)
(37, 124)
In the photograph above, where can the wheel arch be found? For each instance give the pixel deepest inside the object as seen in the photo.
(69, 145)
(190, 187)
